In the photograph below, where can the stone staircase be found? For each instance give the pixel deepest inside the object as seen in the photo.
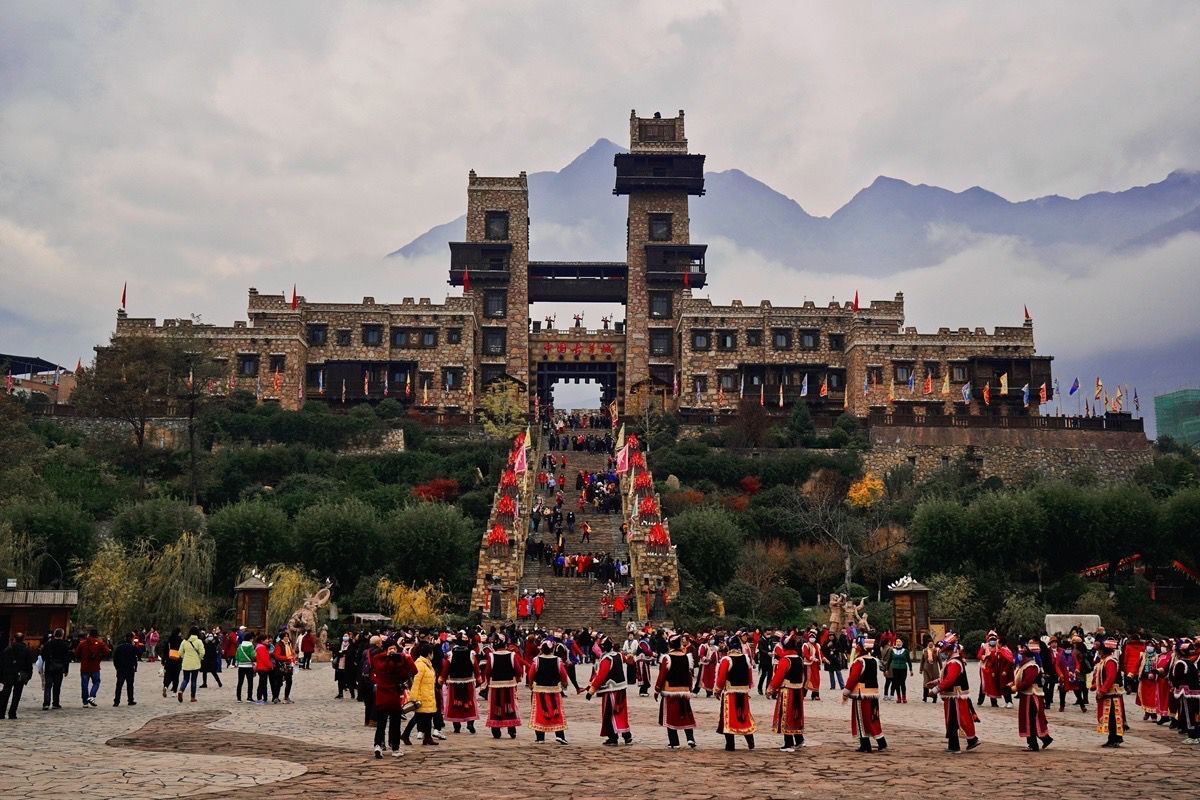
(575, 602)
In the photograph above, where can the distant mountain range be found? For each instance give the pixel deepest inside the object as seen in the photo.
(889, 226)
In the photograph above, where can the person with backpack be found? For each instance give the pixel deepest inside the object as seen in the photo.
(56, 663)
(125, 661)
(191, 652)
(244, 658)
(172, 661)
(16, 670)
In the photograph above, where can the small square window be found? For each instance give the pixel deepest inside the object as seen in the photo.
(933, 369)
(660, 305)
(454, 336)
(701, 340)
(490, 372)
(660, 227)
(781, 338)
(278, 363)
(837, 342)
(808, 340)
(495, 304)
(726, 340)
(248, 365)
(754, 338)
(493, 341)
(700, 384)
(400, 337)
(452, 378)
(343, 338)
(837, 380)
(958, 373)
(496, 225)
(372, 335)
(428, 338)
(903, 372)
(729, 381)
(660, 342)
(317, 335)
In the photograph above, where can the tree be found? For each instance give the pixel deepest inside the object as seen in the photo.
(111, 596)
(1179, 520)
(954, 597)
(502, 409)
(60, 530)
(431, 542)
(823, 516)
(815, 564)
(940, 534)
(290, 587)
(416, 606)
(245, 533)
(158, 521)
(708, 540)
(883, 554)
(763, 565)
(335, 539)
(750, 427)
(801, 423)
(656, 428)
(1128, 525)
(1021, 617)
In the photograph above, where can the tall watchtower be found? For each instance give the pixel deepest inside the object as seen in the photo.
(658, 174)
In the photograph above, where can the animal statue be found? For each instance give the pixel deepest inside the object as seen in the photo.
(856, 610)
(305, 617)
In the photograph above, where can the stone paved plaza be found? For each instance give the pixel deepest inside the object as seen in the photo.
(318, 747)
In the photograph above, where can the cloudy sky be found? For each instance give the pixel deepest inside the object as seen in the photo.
(197, 150)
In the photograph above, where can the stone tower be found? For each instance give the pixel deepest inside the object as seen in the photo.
(496, 256)
(658, 174)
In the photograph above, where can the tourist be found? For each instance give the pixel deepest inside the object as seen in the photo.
(834, 650)
(424, 688)
(192, 659)
(262, 668)
(862, 689)
(955, 692)
(901, 667)
(172, 661)
(244, 658)
(152, 639)
(229, 645)
(765, 662)
(16, 670)
(459, 677)
(787, 689)
(1048, 660)
(585, 531)
(89, 654)
(618, 607)
(308, 644)
(343, 667)
(539, 602)
(1031, 715)
(391, 668)
(283, 661)
(733, 685)
(213, 657)
(930, 668)
(547, 679)
(609, 684)
(56, 663)
(503, 673)
(125, 662)
(1110, 704)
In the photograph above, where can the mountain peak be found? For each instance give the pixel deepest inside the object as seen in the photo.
(601, 152)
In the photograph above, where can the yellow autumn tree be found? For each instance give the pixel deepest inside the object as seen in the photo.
(416, 606)
(865, 492)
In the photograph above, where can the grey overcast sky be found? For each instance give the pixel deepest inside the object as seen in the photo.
(194, 150)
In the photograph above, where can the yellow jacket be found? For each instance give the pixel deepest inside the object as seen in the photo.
(423, 686)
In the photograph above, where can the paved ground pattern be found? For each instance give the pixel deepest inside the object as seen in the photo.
(319, 748)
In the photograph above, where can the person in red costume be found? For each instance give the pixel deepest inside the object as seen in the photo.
(609, 683)
(1162, 668)
(1110, 701)
(547, 678)
(708, 654)
(673, 686)
(1031, 718)
(735, 681)
(1147, 682)
(810, 652)
(458, 680)
(502, 673)
(955, 691)
(995, 671)
(862, 690)
(787, 689)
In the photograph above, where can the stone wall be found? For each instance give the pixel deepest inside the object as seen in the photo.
(168, 433)
(506, 565)
(1009, 454)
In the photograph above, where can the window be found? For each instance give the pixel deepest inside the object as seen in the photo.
(701, 340)
(933, 369)
(317, 334)
(454, 336)
(495, 304)
(399, 337)
(660, 227)
(660, 305)
(875, 375)
(837, 380)
(808, 340)
(699, 384)
(312, 377)
(452, 378)
(495, 225)
(958, 373)
(781, 338)
(662, 374)
(660, 342)
(837, 342)
(903, 372)
(493, 341)
(727, 340)
(912, 461)
(729, 381)
(372, 335)
(343, 338)
(428, 338)
(248, 365)
(754, 338)
(945, 461)
(278, 363)
(490, 372)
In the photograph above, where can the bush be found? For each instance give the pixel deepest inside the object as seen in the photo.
(248, 533)
(66, 533)
(158, 522)
(334, 539)
(441, 490)
(708, 541)
(430, 542)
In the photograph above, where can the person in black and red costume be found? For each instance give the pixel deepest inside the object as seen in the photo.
(459, 678)
(609, 684)
(955, 692)
(547, 677)
(674, 687)
(503, 668)
(1031, 715)
(862, 690)
(735, 682)
(1110, 700)
(787, 689)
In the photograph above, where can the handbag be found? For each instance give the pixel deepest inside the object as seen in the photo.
(173, 654)
(410, 706)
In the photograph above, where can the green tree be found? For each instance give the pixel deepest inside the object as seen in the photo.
(940, 536)
(1179, 521)
(249, 532)
(1008, 529)
(66, 534)
(431, 542)
(159, 521)
(1128, 525)
(708, 541)
(334, 540)
(1021, 617)
(801, 422)
(502, 409)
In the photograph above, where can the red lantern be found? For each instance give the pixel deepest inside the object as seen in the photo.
(506, 507)
(643, 482)
(497, 537)
(648, 507)
(657, 539)
(509, 478)
(632, 441)
(638, 461)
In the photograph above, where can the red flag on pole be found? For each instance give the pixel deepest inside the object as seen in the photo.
(1027, 317)
(295, 298)
(521, 464)
(623, 460)
(687, 281)
(78, 365)
(854, 305)
(987, 394)
(466, 280)
(124, 289)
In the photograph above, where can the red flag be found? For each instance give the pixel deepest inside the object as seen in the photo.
(466, 280)
(824, 388)
(276, 380)
(762, 394)
(124, 289)
(928, 382)
(854, 306)
(687, 281)
(1042, 393)
(295, 299)
(1027, 317)
(623, 460)
(78, 365)
(987, 394)
(521, 464)
(366, 382)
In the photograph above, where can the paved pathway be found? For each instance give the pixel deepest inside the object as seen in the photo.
(319, 748)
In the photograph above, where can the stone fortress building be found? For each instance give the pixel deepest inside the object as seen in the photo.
(687, 353)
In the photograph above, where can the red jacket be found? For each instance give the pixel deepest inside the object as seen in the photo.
(90, 652)
(618, 604)
(390, 674)
(262, 658)
(539, 605)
